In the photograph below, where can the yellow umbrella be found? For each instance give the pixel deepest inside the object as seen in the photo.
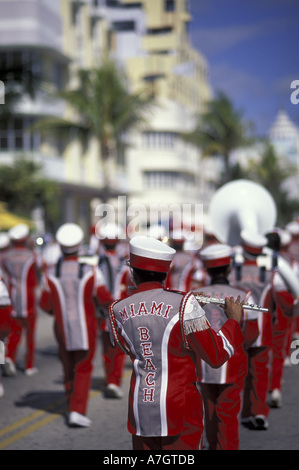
(9, 220)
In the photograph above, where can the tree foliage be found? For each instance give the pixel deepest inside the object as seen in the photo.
(272, 172)
(23, 188)
(220, 130)
(101, 106)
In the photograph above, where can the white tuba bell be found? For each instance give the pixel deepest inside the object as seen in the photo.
(238, 205)
(243, 204)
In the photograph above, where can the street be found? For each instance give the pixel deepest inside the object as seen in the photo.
(32, 411)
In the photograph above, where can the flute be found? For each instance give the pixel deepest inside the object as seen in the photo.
(221, 302)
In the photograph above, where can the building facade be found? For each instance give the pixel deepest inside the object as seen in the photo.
(149, 41)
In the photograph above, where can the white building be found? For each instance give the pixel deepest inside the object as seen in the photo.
(284, 136)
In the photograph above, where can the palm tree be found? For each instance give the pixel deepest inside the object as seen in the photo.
(23, 187)
(102, 107)
(220, 130)
(272, 174)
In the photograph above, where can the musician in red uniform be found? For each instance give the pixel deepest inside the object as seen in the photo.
(5, 323)
(182, 258)
(222, 388)
(293, 253)
(112, 267)
(285, 310)
(20, 265)
(5, 303)
(71, 296)
(256, 277)
(166, 333)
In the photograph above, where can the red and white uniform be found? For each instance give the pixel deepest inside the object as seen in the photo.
(194, 276)
(256, 384)
(5, 302)
(113, 269)
(5, 310)
(222, 388)
(71, 296)
(178, 265)
(166, 334)
(280, 329)
(20, 265)
(5, 324)
(292, 250)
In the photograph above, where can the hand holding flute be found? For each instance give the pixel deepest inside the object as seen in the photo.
(204, 299)
(233, 307)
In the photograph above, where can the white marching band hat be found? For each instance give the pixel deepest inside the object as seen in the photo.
(285, 238)
(4, 240)
(109, 232)
(253, 242)
(69, 236)
(216, 255)
(150, 254)
(19, 232)
(293, 228)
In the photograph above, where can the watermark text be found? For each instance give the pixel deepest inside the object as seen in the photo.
(177, 220)
(2, 352)
(295, 93)
(295, 354)
(2, 93)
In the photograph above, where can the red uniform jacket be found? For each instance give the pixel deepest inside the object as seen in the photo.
(166, 334)
(71, 297)
(20, 265)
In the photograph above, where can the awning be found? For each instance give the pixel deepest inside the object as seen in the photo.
(9, 220)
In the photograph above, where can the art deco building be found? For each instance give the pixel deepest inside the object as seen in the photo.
(149, 40)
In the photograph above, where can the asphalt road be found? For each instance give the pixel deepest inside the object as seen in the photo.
(32, 411)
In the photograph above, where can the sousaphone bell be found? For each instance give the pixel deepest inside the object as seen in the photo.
(244, 204)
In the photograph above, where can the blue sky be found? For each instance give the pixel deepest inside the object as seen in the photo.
(252, 49)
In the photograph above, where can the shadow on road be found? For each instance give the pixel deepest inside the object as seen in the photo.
(52, 402)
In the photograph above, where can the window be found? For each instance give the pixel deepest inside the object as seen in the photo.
(113, 3)
(169, 5)
(167, 180)
(123, 26)
(159, 31)
(160, 140)
(132, 5)
(14, 135)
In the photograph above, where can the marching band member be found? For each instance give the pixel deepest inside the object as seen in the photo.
(222, 388)
(5, 302)
(285, 309)
(4, 246)
(258, 280)
(166, 333)
(293, 253)
(20, 265)
(111, 265)
(51, 254)
(293, 229)
(71, 296)
(180, 260)
(5, 322)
